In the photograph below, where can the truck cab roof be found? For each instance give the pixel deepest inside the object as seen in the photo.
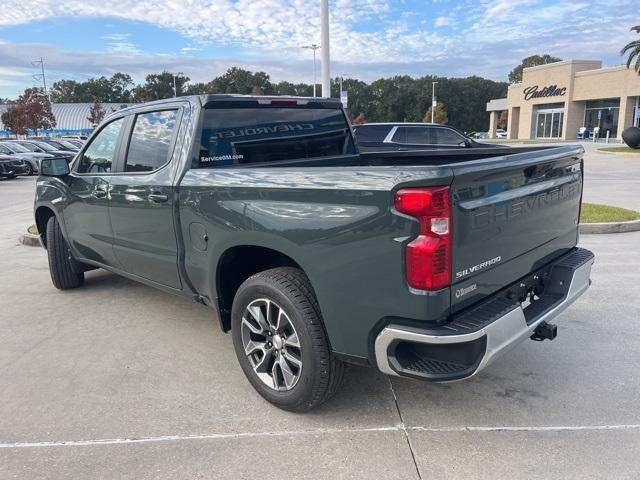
(203, 100)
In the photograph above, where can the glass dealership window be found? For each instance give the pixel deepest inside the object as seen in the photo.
(604, 114)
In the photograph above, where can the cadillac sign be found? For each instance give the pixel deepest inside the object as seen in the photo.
(549, 91)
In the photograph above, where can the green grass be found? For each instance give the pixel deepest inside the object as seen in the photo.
(594, 213)
(32, 229)
(620, 150)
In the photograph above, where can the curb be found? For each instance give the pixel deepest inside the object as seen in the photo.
(29, 240)
(614, 227)
(624, 154)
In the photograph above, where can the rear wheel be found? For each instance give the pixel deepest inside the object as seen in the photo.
(66, 272)
(280, 341)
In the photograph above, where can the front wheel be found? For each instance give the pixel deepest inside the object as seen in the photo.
(280, 341)
(28, 171)
(65, 270)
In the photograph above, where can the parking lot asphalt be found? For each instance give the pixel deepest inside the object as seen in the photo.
(611, 179)
(117, 380)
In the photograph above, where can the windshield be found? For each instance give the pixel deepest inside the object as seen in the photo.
(69, 145)
(59, 145)
(266, 134)
(29, 146)
(46, 146)
(16, 147)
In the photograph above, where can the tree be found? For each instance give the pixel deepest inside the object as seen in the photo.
(293, 89)
(116, 89)
(14, 120)
(503, 119)
(360, 119)
(515, 75)
(634, 50)
(440, 115)
(96, 114)
(239, 80)
(32, 111)
(160, 85)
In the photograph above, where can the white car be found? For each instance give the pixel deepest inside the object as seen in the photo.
(501, 133)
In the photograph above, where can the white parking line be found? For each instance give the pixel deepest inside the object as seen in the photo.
(398, 428)
(575, 428)
(212, 436)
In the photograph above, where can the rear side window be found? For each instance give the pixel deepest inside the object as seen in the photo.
(446, 136)
(269, 134)
(99, 155)
(418, 135)
(150, 141)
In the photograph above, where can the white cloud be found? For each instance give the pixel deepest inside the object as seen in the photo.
(445, 21)
(369, 38)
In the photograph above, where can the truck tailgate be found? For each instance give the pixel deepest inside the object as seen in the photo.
(511, 215)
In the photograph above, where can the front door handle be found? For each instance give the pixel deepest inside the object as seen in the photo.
(158, 197)
(99, 192)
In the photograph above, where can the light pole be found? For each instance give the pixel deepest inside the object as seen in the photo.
(326, 67)
(313, 47)
(433, 101)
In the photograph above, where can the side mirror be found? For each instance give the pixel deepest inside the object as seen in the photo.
(465, 143)
(54, 167)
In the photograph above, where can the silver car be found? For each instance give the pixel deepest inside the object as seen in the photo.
(32, 159)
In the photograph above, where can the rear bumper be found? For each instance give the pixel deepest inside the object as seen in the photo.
(473, 339)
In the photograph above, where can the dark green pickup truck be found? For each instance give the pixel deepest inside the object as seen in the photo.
(424, 264)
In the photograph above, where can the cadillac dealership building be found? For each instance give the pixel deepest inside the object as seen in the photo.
(568, 100)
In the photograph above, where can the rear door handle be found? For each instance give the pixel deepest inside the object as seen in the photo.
(158, 197)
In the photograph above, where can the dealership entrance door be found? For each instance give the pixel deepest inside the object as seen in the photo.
(549, 122)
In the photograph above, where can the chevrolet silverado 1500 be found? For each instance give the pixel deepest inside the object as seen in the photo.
(424, 264)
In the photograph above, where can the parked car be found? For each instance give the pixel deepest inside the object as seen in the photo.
(373, 137)
(32, 159)
(58, 144)
(501, 133)
(314, 254)
(11, 166)
(42, 147)
(481, 135)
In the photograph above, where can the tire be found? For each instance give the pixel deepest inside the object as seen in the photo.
(28, 169)
(287, 294)
(63, 268)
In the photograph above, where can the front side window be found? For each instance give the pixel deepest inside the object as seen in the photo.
(5, 150)
(232, 136)
(150, 141)
(101, 152)
(446, 136)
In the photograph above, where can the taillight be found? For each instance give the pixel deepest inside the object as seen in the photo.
(428, 257)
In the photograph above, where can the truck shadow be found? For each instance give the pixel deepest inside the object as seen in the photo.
(366, 396)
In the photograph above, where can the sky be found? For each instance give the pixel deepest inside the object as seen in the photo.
(79, 39)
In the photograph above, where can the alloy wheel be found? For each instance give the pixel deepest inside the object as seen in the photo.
(271, 344)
